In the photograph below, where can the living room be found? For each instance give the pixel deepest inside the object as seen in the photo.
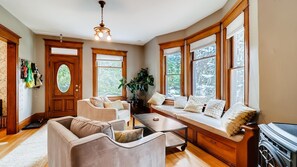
(30, 31)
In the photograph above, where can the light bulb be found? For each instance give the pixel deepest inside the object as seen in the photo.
(100, 34)
(96, 37)
(108, 37)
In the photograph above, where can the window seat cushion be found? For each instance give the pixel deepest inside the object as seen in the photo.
(198, 119)
(169, 110)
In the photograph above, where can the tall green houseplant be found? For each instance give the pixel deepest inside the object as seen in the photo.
(139, 84)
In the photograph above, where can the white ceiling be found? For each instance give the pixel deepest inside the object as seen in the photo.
(130, 21)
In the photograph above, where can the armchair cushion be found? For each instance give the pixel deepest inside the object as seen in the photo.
(116, 104)
(127, 136)
(83, 127)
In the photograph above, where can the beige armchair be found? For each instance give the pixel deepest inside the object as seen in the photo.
(86, 109)
(67, 150)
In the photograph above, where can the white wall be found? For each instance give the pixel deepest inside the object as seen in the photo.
(26, 51)
(278, 60)
(135, 61)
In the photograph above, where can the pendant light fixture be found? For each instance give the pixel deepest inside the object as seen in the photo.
(101, 31)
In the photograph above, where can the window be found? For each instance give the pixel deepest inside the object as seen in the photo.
(109, 68)
(204, 71)
(204, 64)
(173, 74)
(172, 69)
(236, 59)
(237, 68)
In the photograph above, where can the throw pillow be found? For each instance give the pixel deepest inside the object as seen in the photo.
(83, 127)
(201, 100)
(127, 136)
(157, 99)
(99, 101)
(237, 115)
(116, 104)
(193, 106)
(180, 102)
(214, 108)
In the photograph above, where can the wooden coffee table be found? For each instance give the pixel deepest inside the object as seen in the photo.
(166, 125)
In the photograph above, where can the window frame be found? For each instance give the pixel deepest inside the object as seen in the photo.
(212, 30)
(228, 50)
(168, 45)
(109, 52)
(199, 59)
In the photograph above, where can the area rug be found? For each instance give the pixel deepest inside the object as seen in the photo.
(30, 153)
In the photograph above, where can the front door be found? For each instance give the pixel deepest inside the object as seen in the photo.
(63, 80)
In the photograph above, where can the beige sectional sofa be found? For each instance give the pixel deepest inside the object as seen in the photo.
(208, 134)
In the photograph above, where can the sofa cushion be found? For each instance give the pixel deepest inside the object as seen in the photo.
(127, 136)
(237, 115)
(180, 102)
(83, 127)
(210, 124)
(169, 110)
(157, 99)
(215, 108)
(115, 104)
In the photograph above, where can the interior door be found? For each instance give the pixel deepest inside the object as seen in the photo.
(63, 79)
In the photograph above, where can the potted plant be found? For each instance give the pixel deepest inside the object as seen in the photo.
(137, 86)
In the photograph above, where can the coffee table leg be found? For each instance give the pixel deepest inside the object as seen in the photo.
(186, 140)
(133, 123)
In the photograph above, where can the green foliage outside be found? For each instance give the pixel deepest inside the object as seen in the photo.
(63, 78)
(173, 71)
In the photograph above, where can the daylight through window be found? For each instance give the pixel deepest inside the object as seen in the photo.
(204, 71)
(109, 73)
(173, 73)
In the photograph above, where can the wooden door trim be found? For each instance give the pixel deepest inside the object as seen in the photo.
(49, 43)
(12, 40)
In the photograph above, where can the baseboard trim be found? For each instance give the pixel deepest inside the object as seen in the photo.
(34, 117)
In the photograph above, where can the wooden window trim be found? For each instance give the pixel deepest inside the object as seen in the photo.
(239, 7)
(214, 29)
(168, 45)
(121, 53)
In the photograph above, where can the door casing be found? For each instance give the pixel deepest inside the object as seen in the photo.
(64, 44)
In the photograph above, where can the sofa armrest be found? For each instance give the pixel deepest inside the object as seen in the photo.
(98, 149)
(126, 105)
(118, 124)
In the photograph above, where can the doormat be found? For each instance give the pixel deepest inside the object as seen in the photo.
(33, 125)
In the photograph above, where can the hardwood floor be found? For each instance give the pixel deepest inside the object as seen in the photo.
(191, 157)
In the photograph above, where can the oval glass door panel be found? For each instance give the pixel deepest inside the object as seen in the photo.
(63, 78)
